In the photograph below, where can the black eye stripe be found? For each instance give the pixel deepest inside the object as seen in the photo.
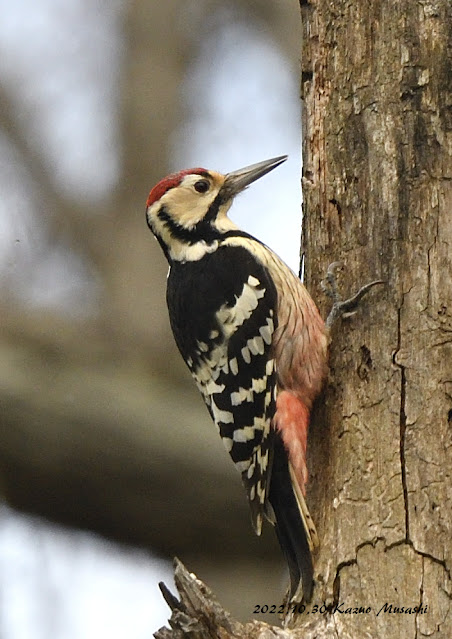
(202, 186)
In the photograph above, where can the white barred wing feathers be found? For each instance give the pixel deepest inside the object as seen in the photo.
(228, 348)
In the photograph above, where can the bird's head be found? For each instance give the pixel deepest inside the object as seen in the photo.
(187, 211)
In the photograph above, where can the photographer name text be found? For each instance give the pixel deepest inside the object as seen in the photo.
(341, 609)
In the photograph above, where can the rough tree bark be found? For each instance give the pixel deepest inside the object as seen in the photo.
(377, 89)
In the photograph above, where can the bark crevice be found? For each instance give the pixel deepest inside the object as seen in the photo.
(402, 425)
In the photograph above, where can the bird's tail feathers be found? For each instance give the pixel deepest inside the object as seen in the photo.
(294, 527)
(309, 526)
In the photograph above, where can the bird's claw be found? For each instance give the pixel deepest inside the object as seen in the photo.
(329, 284)
(342, 308)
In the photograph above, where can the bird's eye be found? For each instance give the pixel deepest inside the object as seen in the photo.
(202, 186)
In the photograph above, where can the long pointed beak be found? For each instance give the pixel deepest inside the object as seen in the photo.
(239, 180)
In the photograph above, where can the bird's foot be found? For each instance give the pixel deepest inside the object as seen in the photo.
(342, 308)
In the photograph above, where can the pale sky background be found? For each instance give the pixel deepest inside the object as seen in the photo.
(56, 584)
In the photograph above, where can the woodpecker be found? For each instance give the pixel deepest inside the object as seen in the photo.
(254, 342)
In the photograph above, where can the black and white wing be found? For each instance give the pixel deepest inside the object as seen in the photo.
(223, 315)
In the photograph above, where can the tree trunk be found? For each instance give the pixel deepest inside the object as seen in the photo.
(377, 169)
